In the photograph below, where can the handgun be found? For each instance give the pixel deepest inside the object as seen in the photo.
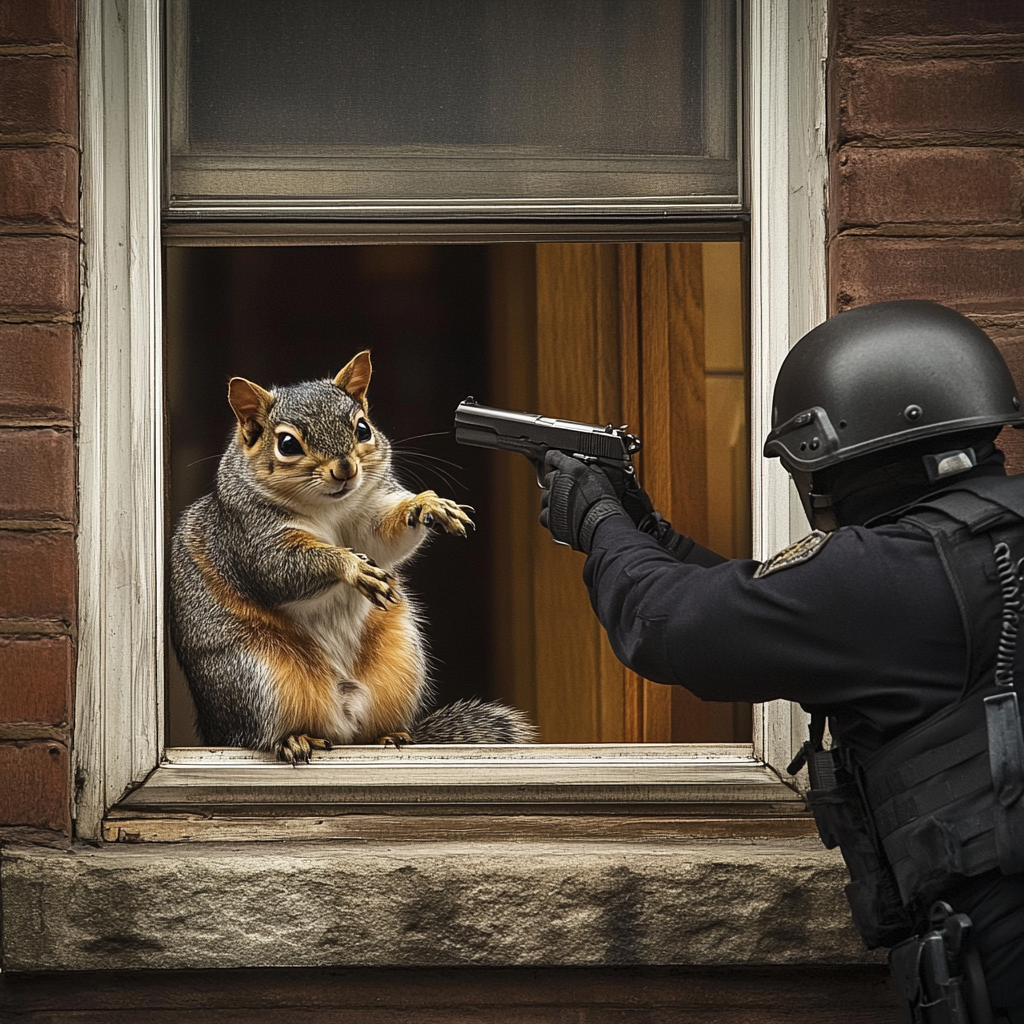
(534, 436)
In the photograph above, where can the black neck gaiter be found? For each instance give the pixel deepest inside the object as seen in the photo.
(862, 494)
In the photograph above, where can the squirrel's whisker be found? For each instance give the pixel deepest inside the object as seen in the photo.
(416, 437)
(206, 459)
(416, 477)
(442, 473)
(415, 452)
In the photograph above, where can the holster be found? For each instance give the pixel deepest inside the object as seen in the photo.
(938, 975)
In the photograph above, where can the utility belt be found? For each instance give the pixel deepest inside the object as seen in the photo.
(944, 800)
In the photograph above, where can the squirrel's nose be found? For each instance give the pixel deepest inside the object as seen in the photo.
(343, 469)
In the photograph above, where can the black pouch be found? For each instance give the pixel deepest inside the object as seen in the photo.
(839, 812)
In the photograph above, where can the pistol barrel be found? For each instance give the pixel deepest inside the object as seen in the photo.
(532, 435)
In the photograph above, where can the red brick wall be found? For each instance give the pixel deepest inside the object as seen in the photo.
(38, 330)
(926, 151)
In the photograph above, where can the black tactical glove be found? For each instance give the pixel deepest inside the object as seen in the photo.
(577, 497)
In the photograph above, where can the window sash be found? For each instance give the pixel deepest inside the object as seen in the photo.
(119, 715)
(211, 178)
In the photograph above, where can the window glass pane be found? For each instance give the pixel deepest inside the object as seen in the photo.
(314, 102)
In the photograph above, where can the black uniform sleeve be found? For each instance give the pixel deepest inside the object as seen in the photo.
(686, 549)
(870, 620)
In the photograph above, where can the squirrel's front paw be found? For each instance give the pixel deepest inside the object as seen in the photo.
(377, 585)
(296, 749)
(397, 739)
(427, 509)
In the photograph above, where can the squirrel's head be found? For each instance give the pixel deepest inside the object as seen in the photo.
(311, 444)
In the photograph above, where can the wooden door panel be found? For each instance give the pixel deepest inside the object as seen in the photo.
(620, 336)
(579, 681)
(511, 525)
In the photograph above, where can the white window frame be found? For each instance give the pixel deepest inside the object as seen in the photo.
(119, 731)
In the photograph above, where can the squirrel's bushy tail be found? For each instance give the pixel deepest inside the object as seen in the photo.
(475, 721)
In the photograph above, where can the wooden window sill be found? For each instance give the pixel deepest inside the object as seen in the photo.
(585, 791)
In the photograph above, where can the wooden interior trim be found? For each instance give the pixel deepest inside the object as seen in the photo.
(283, 232)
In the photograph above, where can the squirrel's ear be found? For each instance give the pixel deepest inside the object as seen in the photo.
(354, 379)
(250, 404)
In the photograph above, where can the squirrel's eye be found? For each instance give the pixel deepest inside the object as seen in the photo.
(363, 431)
(288, 445)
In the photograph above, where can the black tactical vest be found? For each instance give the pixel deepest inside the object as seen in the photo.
(943, 800)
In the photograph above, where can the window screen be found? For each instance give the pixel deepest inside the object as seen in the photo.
(315, 107)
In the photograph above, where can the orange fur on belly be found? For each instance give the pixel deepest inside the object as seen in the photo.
(302, 676)
(390, 663)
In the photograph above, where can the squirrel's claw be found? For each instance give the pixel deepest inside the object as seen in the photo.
(397, 739)
(297, 748)
(377, 585)
(428, 509)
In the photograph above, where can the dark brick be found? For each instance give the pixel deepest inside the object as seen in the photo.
(1012, 443)
(35, 680)
(38, 275)
(860, 24)
(931, 100)
(40, 96)
(1011, 440)
(1011, 344)
(36, 788)
(38, 371)
(979, 275)
(39, 186)
(38, 481)
(925, 185)
(37, 576)
(38, 22)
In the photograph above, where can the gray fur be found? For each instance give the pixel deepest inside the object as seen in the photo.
(473, 721)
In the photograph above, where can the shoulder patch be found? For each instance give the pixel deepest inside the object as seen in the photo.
(802, 551)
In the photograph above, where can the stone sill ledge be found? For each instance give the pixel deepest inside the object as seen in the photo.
(417, 904)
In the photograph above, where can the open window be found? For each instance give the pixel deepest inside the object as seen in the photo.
(569, 272)
(653, 334)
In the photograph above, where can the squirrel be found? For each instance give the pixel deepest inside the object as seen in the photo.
(287, 611)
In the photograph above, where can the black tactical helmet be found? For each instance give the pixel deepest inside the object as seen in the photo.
(884, 375)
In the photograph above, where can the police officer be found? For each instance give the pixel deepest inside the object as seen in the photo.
(894, 620)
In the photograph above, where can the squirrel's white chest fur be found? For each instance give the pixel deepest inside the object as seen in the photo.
(336, 618)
